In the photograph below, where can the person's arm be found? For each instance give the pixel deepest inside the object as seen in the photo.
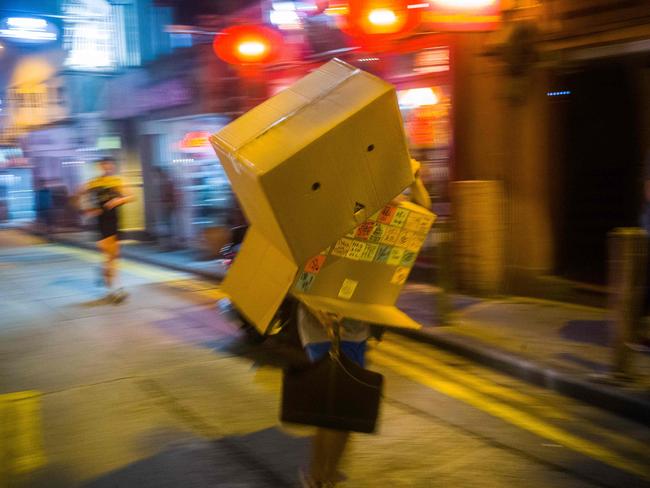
(419, 193)
(77, 198)
(126, 196)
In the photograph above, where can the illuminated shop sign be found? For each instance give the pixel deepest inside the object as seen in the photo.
(463, 15)
(195, 142)
(27, 29)
(90, 35)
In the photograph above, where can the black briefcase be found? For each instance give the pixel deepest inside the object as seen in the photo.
(335, 393)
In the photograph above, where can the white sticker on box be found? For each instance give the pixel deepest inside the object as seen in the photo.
(356, 250)
(347, 288)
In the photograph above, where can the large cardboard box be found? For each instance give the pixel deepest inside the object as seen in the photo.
(362, 274)
(309, 165)
(318, 158)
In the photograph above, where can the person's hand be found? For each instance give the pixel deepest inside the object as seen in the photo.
(93, 212)
(112, 203)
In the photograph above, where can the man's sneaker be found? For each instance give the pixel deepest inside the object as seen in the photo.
(118, 296)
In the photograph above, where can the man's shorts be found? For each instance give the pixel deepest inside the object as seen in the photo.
(356, 351)
(107, 224)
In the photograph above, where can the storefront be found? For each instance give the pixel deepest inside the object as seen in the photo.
(62, 158)
(185, 179)
(423, 83)
(173, 107)
(16, 186)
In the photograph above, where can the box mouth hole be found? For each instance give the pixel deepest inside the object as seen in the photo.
(370, 148)
(315, 186)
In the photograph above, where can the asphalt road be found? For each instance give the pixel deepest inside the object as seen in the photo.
(160, 391)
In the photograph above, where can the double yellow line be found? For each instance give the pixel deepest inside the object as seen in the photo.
(503, 403)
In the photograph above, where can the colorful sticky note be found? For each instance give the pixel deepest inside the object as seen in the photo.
(305, 280)
(356, 250)
(396, 255)
(377, 233)
(390, 235)
(408, 259)
(383, 253)
(386, 214)
(369, 252)
(347, 289)
(404, 238)
(364, 230)
(401, 214)
(342, 247)
(413, 222)
(315, 264)
(415, 243)
(400, 275)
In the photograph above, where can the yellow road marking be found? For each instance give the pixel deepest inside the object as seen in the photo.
(430, 363)
(414, 353)
(20, 414)
(511, 415)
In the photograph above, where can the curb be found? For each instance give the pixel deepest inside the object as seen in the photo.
(599, 395)
(127, 253)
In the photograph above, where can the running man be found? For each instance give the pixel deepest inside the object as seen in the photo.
(107, 192)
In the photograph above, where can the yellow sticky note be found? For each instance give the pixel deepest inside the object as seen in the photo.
(356, 250)
(347, 288)
(400, 275)
(342, 247)
(369, 252)
(413, 222)
(404, 238)
(390, 235)
(395, 257)
(400, 217)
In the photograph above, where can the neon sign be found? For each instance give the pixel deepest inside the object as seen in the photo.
(27, 29)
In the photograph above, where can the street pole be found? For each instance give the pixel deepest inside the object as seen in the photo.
(627, 272)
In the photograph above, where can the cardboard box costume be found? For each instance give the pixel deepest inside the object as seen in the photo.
(317, 161)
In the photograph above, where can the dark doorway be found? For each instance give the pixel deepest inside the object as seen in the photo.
(599, 165)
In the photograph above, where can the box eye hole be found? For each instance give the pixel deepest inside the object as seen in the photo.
(370, 148)
(315, 186)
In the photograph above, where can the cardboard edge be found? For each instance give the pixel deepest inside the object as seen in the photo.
(381, 315)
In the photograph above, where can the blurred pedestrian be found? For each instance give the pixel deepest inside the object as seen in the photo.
(107, 192)
(328, 445)
(44, 206)
(168, 205)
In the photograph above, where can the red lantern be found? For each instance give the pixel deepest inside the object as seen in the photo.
(248, 44)
(381, 19)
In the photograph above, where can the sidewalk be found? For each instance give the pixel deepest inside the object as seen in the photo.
(552, 344)
(151, 253)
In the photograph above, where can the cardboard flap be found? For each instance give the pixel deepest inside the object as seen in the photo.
(259, 279)
(386, 315)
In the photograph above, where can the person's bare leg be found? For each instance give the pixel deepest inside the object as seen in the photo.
(328, 447)
(109, 247)
(335, 443)
(318, 456)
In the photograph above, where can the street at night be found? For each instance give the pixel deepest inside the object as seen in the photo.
(324, 243)
(159, 391)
